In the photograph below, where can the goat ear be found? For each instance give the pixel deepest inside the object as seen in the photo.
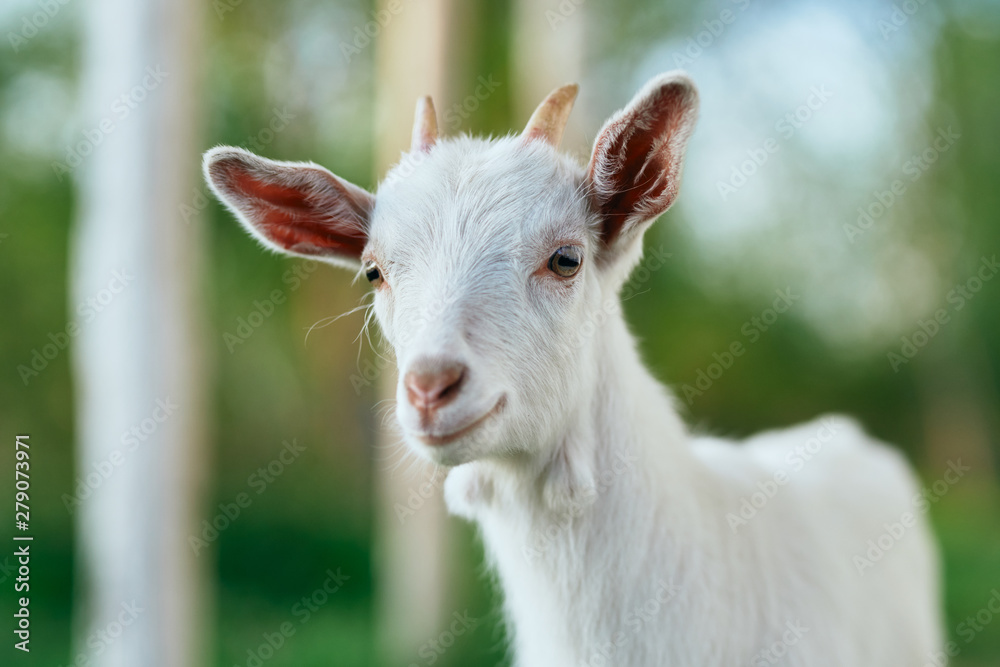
(297, 208)
(635, 171)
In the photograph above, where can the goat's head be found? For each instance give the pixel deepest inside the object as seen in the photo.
(486, 257)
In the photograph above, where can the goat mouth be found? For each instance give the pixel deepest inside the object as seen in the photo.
(440, 440)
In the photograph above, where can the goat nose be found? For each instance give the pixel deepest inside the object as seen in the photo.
(431, 385)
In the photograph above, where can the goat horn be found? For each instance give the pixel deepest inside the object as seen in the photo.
(425, 127)
(549, 119)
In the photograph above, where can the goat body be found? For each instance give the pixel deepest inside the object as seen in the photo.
(619, 538)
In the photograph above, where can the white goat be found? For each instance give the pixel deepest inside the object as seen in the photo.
(619, 538)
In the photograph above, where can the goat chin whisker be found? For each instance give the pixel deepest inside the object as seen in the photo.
(327, 321)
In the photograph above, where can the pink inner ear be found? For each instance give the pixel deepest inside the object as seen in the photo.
(637, 162)
(304, 218)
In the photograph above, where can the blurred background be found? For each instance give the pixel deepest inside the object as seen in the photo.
(210, 487)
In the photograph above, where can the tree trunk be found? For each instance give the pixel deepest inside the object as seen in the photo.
(547, 51)
(138, 366)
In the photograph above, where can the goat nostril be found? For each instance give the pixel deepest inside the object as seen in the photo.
(430, 389)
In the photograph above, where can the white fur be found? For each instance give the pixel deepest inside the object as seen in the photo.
(580, 539)
(608, 523)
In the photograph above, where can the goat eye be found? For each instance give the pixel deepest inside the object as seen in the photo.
(566, 261)
(373, 274)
